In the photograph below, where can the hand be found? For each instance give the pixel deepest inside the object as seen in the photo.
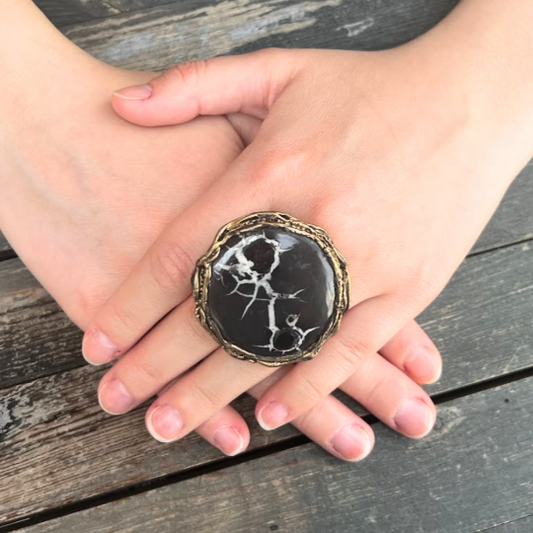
(397, 154)
(394, 163)
(61, 201)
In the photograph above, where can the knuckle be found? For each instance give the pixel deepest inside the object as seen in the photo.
(380, 385)
(280, 168)
(205, 397)
(309, 391)
(188, 72)
(331, 209)
(121, 318)
(271, 52)
(89, 298)
(171, 265)
(422, 278)
(349, 355)
(142, 370)
(312, 416)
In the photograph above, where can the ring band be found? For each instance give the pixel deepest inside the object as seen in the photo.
(271, 289)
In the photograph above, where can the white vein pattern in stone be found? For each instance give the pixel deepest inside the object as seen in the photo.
(243, 273)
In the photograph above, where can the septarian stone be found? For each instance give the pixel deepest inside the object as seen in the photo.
(271, 292)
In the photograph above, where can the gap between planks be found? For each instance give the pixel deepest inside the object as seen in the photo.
(246, 457)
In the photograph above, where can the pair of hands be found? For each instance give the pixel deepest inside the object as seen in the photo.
(71, 195)
(328, 137)
(334, 144)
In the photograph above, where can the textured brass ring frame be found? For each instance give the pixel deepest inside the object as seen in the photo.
(271, 289)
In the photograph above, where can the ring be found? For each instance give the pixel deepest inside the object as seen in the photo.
(271, 289)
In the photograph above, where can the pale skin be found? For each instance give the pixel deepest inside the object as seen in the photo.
(85, 194)
(402, 156)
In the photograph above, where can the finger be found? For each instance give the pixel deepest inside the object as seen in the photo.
(196, 397)
(226, 430)
(173, 346)
(162, 279)
(391, 396)
(364, 329)
(246, 126)
(412, 351)
(248, 83)
(329, 424)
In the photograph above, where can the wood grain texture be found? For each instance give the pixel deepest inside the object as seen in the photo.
(65, 12)
(57, 446)
(520, 525)
(513, 220)
(4, 245)
(471, 474)
(156, 38)
(36, 337)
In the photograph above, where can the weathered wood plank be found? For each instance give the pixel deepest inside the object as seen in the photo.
(156, 38)
(65, 12)
(58, 446)
(4, 245)
(520, 525)
(513, 220)
(472, 473)
(36, 337)
(482, 322)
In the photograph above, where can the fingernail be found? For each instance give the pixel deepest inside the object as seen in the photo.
(422, 365)
(414, 418)
(351, 443)
(97, 348)
(272, 416)
(165, 423)
(229, 440)
(135, 92)
(114, 398)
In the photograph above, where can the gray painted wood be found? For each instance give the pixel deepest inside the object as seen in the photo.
(63, 12)
(58, 446)
(520, 525)
(36, 337)
(482, 323)
(472, 473)
(513, 220)
(156, 38)
(4, 245)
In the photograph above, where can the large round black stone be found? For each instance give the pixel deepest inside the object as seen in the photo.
(271, 292)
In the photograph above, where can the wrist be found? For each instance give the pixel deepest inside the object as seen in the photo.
(483, 55)
(33, 52)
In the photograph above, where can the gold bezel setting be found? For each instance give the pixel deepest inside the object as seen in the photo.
(202, 276)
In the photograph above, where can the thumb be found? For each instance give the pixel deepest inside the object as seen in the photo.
(249, 83)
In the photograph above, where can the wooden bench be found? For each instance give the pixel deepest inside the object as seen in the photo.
(66, 466)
